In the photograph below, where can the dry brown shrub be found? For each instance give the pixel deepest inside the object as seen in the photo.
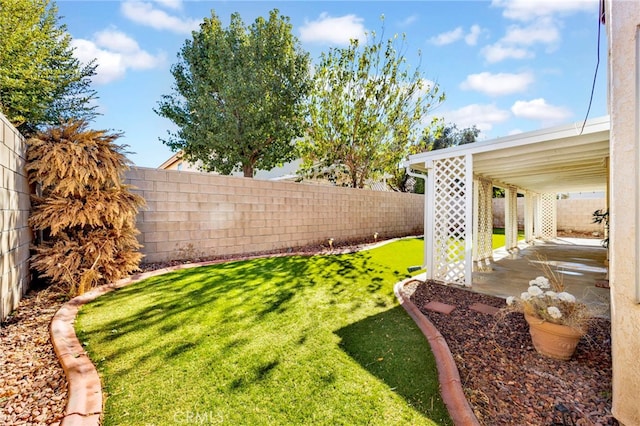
(83, 213)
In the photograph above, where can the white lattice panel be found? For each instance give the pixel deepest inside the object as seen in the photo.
(449, 224)
(547, 216)
(483, 214)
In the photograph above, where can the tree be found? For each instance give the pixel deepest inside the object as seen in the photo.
(446, 136)
(437, 136)
(85, 212)
(365, 108)
(41, 82)
(238, 95)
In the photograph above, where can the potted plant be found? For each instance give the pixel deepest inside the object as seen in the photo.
(556, 319)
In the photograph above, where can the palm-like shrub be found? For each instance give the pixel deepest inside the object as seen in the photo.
(82, 209)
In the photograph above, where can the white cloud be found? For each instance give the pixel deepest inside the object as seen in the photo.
(339, 30)
(481, 116)
(448, 37)
(498, 52)
(146, 14)
(540, 31)
(472, 37)
(514, 132)
(527, 10)
(497, 84)
(171, 4)
(538, 109)
(409, 20)
(114, 53)
(540, 23)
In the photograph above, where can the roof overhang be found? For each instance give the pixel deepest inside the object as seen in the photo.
(567, 158)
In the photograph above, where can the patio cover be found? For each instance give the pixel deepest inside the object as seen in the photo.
(538, 164)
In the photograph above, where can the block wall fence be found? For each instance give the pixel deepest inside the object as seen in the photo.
(573, 214)
(15, 234)
(195, 214)
(190, 214)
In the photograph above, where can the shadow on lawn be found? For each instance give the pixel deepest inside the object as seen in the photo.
(391, 347)
(244, 292)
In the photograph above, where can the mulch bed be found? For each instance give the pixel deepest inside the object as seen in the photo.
(33, 388)
(506, 381)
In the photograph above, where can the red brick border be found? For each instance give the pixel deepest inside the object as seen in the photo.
(84, 401)
(448, 375)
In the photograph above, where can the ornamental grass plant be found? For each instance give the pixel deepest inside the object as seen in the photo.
(547, 299)
(82, 212)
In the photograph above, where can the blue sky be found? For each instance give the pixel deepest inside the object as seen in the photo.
(505, 66)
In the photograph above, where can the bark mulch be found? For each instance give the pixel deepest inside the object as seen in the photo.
(33, 388)
(505, 380)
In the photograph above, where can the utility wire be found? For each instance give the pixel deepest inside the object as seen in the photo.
(595, 74)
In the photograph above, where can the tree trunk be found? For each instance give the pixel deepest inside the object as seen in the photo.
(247, 169)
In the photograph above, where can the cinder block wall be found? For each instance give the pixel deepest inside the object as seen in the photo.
(15, 234)
(194, 214)
(574, 214)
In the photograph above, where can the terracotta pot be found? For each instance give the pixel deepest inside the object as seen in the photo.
(553, 340)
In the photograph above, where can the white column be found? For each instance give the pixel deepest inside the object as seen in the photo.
(528, 216)
(468, 238)
(429, 200)
(476, 219)
(511, 218)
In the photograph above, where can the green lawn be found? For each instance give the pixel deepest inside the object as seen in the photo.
(274, 341)
(499, 239)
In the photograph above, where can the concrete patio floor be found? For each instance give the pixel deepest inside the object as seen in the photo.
(580, 262)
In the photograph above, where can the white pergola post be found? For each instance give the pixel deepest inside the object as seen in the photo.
(429, 191)
(468, 221)
(511, 218)
(528, 216)
(450, 182)
(476, 224)
(482, 222)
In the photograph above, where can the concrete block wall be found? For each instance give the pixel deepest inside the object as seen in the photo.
(15, 234)
(192, 214)
(574, 214)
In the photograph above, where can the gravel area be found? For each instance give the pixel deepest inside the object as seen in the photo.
(506, 381)
(33, 388)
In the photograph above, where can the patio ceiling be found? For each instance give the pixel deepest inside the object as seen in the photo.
(554, 160)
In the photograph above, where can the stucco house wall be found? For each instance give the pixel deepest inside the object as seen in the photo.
(623, 21)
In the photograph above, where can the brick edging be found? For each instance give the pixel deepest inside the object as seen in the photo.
(84, 399)
(448, 376)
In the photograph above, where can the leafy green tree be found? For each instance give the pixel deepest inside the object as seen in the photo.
(437, 136)
(446, 136)
(41, 82)
(365, 109)
(238, 95)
